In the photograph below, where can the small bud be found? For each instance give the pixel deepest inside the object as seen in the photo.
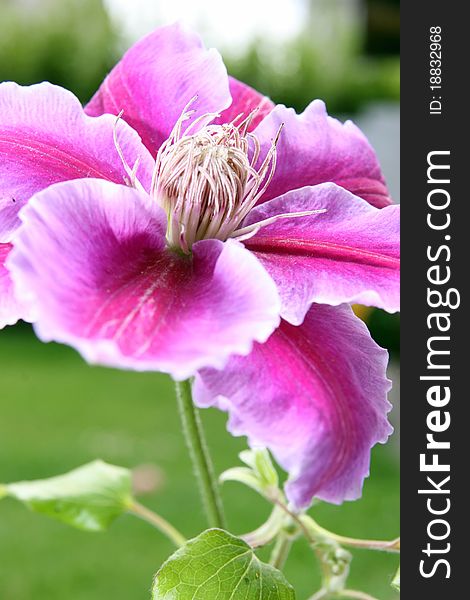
(242, 475)
(259, 474)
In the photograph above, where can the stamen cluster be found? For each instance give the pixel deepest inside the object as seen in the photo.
(207, 182)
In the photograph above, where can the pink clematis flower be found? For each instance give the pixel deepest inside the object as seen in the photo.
(215, 244)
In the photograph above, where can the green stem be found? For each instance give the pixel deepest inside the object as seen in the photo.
(202, 464)
(157, 521)
(317, 530)
(280, 551)
(267, 532)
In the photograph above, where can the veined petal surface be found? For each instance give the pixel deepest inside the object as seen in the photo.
(10, 309)
(92, 261)
(245, 100)
(316, 148)
(45, 138)
(155, 80)
(315, 395)
(349, 253)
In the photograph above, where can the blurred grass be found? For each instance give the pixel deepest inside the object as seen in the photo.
(71, 43)
(74, 43)
(58, 413)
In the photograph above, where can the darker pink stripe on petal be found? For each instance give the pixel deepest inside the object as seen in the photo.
(314, 148)
(155, 80)
(315, 395)
(245, 99)
(45, 138)
(328, 250)
(92, 261)
(348, 253)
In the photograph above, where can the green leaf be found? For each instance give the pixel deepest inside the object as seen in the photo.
(88, 498)
(219, 566)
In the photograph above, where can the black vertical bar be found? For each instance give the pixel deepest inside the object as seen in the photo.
(439, 127)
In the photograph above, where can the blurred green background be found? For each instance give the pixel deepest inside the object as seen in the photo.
(57, 413)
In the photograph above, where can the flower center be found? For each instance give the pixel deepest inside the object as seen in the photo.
(206, 182)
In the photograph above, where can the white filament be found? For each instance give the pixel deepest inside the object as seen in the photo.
(206, 182)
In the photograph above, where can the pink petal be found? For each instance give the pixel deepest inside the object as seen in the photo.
(155, 80)
(10, 309)
(315, 395)
(315, 148)
(350, 253)
(9, 208)
(244, 100)
(45, 137)
(92, 261)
